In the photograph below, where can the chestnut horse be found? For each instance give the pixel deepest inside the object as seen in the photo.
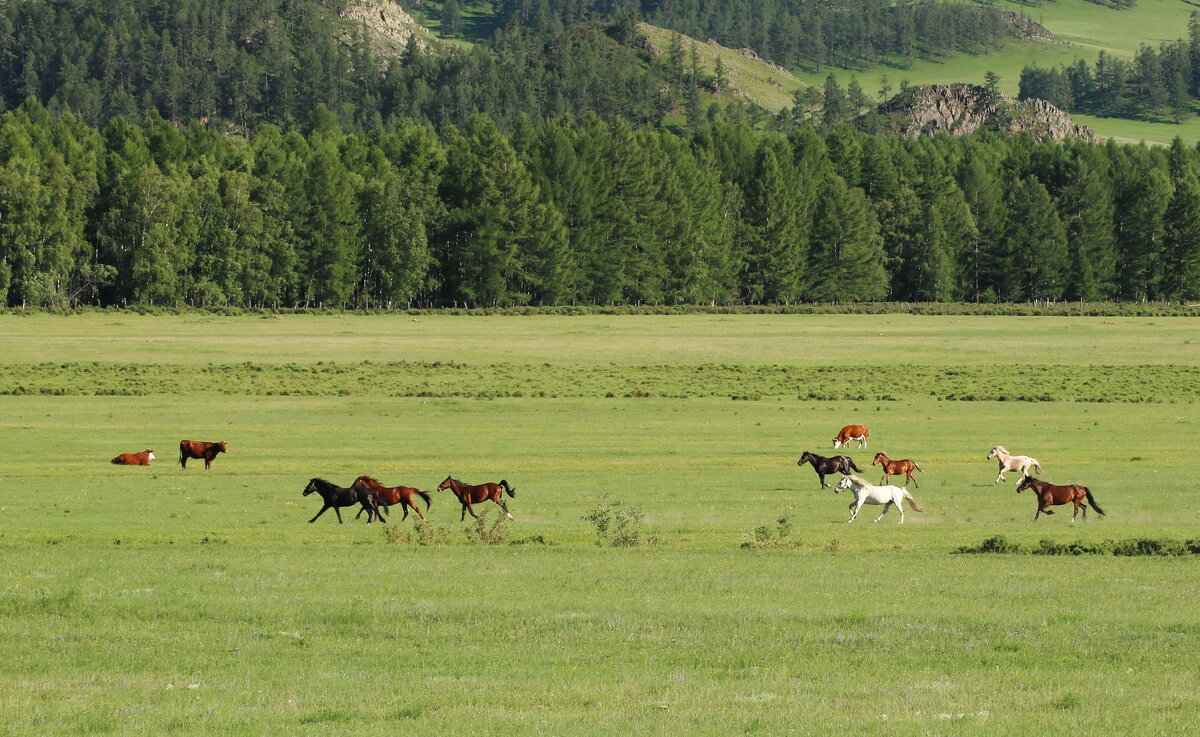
(336, 496)
(469, 495)
(903, 466)
(823, 465)
(389, 495)
(1049, 495)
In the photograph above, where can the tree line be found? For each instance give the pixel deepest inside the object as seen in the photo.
(809, 35)
(580, 211)
(1157, 83)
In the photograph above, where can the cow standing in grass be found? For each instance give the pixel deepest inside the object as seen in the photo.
(200, 449)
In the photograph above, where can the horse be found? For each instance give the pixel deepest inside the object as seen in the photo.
(389, 495)
(1049, 495)
(852, 432)
(823, 465)
(337, 496)
(468, 495)
(890, 467)
(1012, 463)
(865, 493)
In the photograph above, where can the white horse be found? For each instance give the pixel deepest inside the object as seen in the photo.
(865, 493)
(1012, 463)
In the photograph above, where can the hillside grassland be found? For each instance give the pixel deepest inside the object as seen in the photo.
(158, 600)
(1085, 27)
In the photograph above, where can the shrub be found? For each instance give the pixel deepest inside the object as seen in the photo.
(483, 533)
(618, 528)
(997, 544)
(773, 537)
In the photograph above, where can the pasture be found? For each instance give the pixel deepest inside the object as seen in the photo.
(162, 601)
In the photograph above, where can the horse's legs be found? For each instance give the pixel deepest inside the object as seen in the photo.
(886, 507)
(822, 477)
(314, 519)
(854, 510)
(912, 478)
(500, 501)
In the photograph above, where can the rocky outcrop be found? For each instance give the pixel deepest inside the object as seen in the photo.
(386, 27)
(959, 109)
(1022, 26)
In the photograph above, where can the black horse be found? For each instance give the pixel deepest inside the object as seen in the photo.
(823, 465)
(337, 496)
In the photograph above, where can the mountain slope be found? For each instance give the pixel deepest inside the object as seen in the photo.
(750, 77)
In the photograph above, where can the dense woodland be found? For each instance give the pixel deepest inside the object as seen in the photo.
(217, 152)
(796, 34)
(587, 211)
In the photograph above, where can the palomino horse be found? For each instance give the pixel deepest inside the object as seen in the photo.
(1012, 463)
(389, 495)
(469, 495)
(865, 493)
(1049, 495)
(338, 496)
(823, 465)
(890, 467)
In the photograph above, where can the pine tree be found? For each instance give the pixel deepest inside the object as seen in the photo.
(1037, 241)
(846, 252)
(1181, 244)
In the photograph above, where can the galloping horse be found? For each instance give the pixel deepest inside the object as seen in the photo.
(469, 495)
(337, 496)
(1012, 463)
(823, 465)
(389, 495)
(865, 493)
(1051, 495)
(897, 467)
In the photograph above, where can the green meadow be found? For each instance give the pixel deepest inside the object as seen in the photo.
(163, 601)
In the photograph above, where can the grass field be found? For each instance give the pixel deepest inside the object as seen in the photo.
(163, 601)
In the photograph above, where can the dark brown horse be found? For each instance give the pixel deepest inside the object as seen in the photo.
(890, 467)
(1049, 495)
(823, 465)
(336, 497)
(389, 495)
(469, 495)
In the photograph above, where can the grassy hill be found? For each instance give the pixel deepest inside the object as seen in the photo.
(1085, 28)
(751, 78)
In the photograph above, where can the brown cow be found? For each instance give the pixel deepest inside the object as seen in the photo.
(852, 432)
(200, 449)
(134, 459)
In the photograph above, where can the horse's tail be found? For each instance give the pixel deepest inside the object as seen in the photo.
(918, 467)
(1092, 500)
(1038, 466)
(511, 491)
(851, 462)
(182, 457)
(426, 496)
(913, 502)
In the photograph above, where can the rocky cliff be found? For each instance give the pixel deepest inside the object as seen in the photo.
(959, 109)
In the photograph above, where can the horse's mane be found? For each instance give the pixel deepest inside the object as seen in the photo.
(858, 479)
(1001, 448)
(370, 479)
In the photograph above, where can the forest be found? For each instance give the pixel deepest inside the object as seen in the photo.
(580, 211)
